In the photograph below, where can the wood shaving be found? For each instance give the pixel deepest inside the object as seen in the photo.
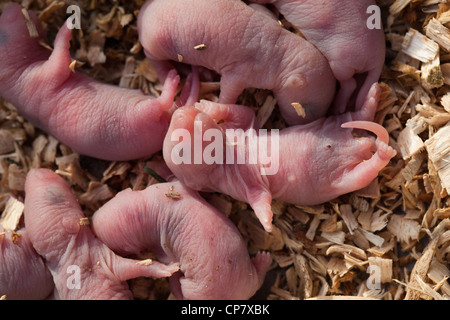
(30, 24)
(439, 33)
(419, 47)
(15, 236)
(84, 221)
(173, 195)
(299, 109)
(200, 47)
(265, 111)
(438, 148)
(74, 65)
(10, 218)
(145, 262)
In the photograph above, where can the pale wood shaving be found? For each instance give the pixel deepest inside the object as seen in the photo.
(439, 274)
(373, 238)
(439, 33)
(30, 24)
(403, 228)
(438, 148)
(398, 6)
(445, 102)
(9, 220)
(347, 215)
(299, 109)
(200, 47)
(145, 262)
(385, 265)
(409, 143)
(418, 46)
(265, 111)
(431, 74)
(420, 270)
(84, 221)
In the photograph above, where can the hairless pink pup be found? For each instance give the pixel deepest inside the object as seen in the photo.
(340, 29)
(317, 162)
(23, 274)
(96, 119)
(178, 226)
(81, 265)
(246, 47)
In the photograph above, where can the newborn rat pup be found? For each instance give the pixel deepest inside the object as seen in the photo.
(60, 233)
(339, 30)
(247, 48)
(314, 163)
(23, 274)
(95, 119)
(178, 226)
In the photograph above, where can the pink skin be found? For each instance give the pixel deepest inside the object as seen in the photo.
(52, 220)
(96, 119)
(214, 261)
(23, 274)
(317, 163)
(246, 47)
(338, 28)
